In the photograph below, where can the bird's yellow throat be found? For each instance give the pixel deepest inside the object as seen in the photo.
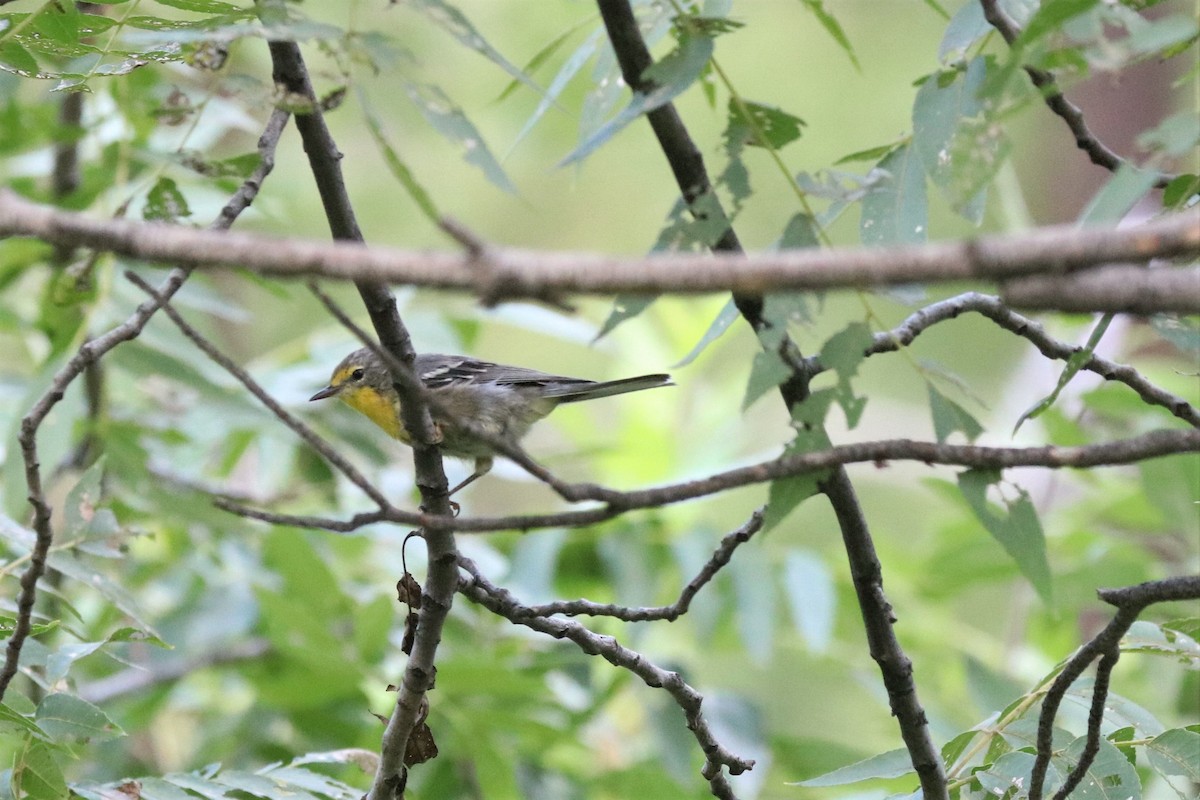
(376, 407)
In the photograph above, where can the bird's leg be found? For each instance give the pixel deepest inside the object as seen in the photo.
(483, 465)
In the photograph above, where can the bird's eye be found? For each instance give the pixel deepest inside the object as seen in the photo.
(357, 375)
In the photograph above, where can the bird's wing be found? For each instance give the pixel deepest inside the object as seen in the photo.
(439, 371)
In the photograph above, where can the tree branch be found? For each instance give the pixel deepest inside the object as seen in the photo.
(500, 601)
(719, 559)
(995, 310)
(1130, 601)
(1070, 113)
(520, 273)
(1123, 451)
(1117, 288)
(442, 577)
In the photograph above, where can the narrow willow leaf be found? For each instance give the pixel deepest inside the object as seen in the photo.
(966, 28)
(949, 417)
(1050, 16)
(671, 76)
(450, 121)
(566, 72)
(892, 764)
(896, 208)
(726, 317)
(833, 28)
(812, 597)
(540, 58)
(399, 169)
(755, 603)
(1016, 527)
(457, 25)
(1118, 197)
(870, 154)
(625, 307)
(202, 6)
(1074, 364)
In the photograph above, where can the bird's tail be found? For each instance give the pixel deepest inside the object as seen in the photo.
(571, 393)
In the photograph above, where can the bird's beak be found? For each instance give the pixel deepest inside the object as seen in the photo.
(328, 391)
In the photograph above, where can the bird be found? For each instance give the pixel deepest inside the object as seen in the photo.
(500, 400)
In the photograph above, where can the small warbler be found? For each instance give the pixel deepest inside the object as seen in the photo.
(500, 400)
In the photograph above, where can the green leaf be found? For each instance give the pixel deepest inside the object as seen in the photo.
(892, 764)
(833, 28)
(625, 307)
(726, 317)
(83, 499)
(670, 77)
(65, 716)
(766, 372)
(870, 154)
(811, 596)
(895, 209)
(1016, 527)
(449, 120)
(1181, 192)
(759, 125)
(959, 143)
(1151, 639)
(1110, 777)
(844, 351)
(399, 169)
(16, 59)
(457, 25)
(1182, 332)
(949, 417)
(12, 721)
(165, 203)
(754, 603)
(540, 58)
(1175, 136)
(202, 6)
(1050, 16)
(1176, 752)
(36, 774)
(966, 28)
(1074, 364)
(566, 72)
(801, 231)
(1118, 197)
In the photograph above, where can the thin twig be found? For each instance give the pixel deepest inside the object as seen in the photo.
(500, 601)
(719, 559)
(1099, 153)
(1130, 601)
(1154, 444)
(994, 309)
